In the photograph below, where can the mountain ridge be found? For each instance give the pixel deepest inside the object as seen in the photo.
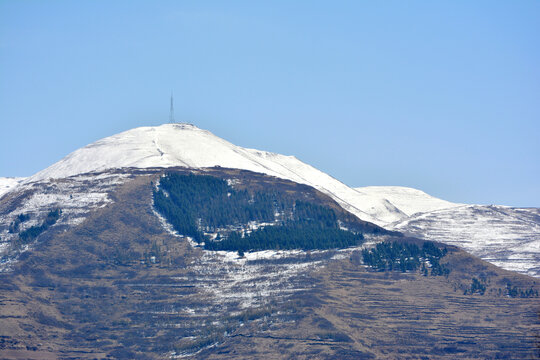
(408, 200)
(186, 145)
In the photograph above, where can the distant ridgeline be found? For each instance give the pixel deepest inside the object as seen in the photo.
(209, 210)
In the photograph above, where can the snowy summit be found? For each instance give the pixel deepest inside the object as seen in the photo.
(186, 145)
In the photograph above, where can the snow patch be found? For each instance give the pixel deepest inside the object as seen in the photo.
(75, 196)
(9, 183)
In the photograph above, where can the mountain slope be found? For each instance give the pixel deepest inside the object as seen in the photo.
(9, 183)
(91, 290)
(408, 200)
(186, 145)
(505, 236)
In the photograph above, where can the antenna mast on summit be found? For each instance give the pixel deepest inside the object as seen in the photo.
(171, 114)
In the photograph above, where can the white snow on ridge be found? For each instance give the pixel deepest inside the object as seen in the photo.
(408, 200)
(9, 183)
(186, 145)
(504, 236)
(76, 197)
(507, 237)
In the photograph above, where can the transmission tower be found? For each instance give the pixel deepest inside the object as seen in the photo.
(171, 114)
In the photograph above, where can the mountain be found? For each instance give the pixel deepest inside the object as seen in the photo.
(513, 246)
(188, 146)
(107, 275)
(505, 236)
(142, 246)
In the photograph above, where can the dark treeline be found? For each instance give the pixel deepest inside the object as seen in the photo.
(387, 256)
(308, 213)
(34, 231)
(289, 236)
(14, 226)
(477, 286)
(514, 291)
(197, 203)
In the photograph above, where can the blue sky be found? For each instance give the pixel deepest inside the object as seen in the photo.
(443, 96)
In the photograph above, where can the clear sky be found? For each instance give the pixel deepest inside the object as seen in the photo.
(443, 96)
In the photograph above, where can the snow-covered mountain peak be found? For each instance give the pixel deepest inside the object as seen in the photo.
(169, 145)
(186, 145)
(154, 146)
